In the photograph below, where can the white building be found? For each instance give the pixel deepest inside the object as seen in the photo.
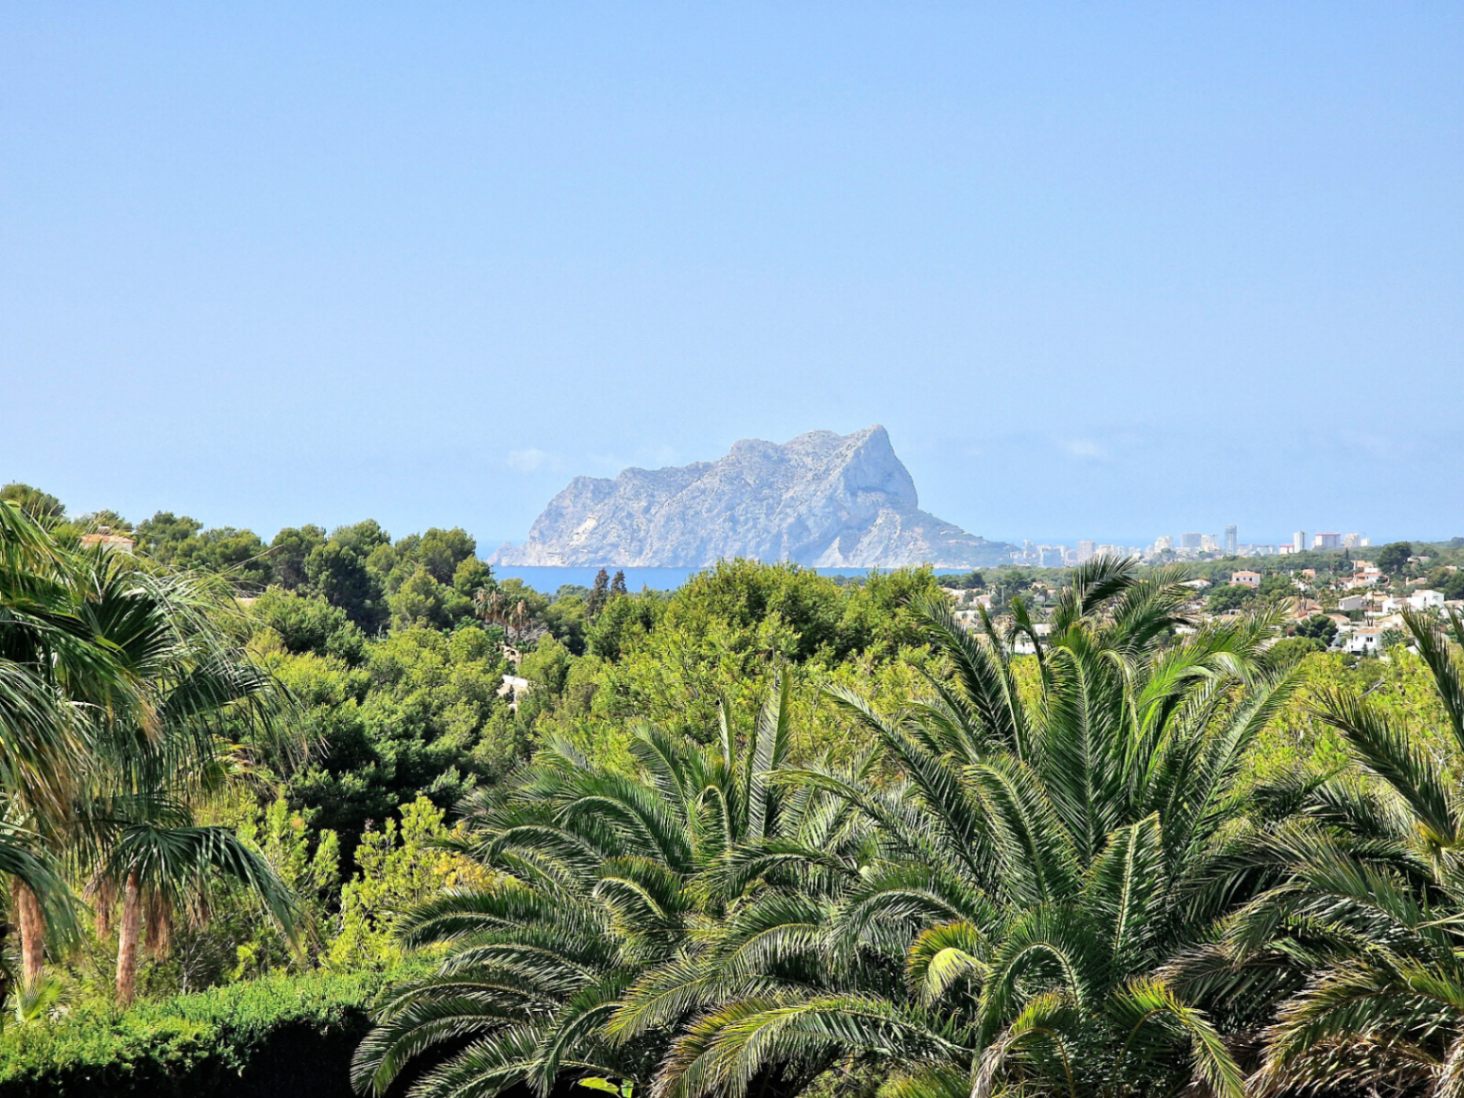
(1023, 646)
(1366, 641)
(1427, 599)
(513, 688)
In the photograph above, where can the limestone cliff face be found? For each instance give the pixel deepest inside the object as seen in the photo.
(822, 499)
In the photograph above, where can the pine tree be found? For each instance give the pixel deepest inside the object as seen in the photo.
(599, 593)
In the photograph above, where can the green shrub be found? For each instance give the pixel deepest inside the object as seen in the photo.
(255, 1038)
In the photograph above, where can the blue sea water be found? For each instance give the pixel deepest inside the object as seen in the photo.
(550, 579)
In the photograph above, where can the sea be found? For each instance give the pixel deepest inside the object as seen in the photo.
(547, 579)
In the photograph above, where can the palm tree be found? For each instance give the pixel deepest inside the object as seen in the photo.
(1367, 929)
(161, 869)
(134, 832)
(1042, 859)
(115, 683)
(56, 678)
(600, 877)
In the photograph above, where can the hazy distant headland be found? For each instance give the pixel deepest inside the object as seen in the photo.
(822, 499)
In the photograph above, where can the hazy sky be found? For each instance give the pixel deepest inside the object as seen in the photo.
(1103, 270)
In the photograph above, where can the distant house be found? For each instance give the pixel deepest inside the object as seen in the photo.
(1366, 575)
(1427, 599)
(1023, 646)
(104, 538)
(963, 596)
(514, 687)
(1245, 579)
(1366, 641)
(1351, 604)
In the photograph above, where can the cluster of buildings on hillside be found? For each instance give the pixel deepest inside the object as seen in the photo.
(1360, 605)
(1191, 545)
(1364, 606)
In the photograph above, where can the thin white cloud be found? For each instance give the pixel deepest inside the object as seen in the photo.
(531, 460)
(1086, 449)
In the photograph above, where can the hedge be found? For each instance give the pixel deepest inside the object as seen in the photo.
(265, 1038)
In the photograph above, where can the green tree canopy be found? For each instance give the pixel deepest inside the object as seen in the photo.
(39, 505)
(338, 573)
(289, 551)
(1393, 557)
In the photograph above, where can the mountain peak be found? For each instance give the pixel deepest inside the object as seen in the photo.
(821, 499)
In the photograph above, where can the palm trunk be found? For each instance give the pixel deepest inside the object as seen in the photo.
(129, 935)
(30, 924)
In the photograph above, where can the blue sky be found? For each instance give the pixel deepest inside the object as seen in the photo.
(1102, 270)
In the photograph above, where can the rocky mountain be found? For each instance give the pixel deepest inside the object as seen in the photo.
(822, 499)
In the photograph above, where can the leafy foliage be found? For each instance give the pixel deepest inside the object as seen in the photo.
(1040, 864)
(187, 1044)
(1365, 925)
(770, 832)
(597, 877)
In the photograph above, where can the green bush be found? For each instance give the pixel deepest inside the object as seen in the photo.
(277, 1035)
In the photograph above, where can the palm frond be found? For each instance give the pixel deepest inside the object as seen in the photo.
(1393, 757)
(1145, 1003)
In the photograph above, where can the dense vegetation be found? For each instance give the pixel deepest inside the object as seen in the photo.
(278, 1034)
(770, 832)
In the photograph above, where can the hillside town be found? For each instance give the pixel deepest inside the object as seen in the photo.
(1326, 594)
